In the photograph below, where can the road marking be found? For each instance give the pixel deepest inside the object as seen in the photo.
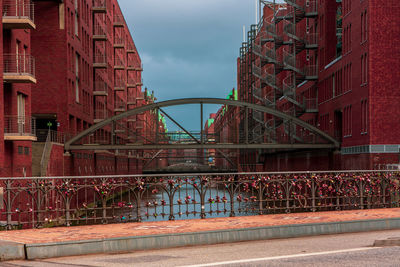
(281, 257)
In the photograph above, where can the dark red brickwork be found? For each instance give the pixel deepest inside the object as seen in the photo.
(357, 94)
(71, 92)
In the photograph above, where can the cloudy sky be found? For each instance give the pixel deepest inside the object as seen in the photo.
(188, 47)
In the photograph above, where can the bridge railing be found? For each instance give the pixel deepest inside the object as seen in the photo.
(65, 201)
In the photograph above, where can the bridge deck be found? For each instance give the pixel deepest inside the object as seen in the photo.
(96, 232)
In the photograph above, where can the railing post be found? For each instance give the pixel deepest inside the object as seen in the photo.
(202, 202)
(104, 210)
(313, 208)
(138, 214)
(9, 217)
(39, 202)
(287, 196)
(260, 199)
(361, 188)
(67, 211)
(171, 204)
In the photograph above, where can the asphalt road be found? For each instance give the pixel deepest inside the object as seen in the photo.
(328, 250)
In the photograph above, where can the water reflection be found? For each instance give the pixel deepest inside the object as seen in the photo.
(186, 204)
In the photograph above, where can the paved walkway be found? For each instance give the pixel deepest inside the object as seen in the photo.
(110, 231)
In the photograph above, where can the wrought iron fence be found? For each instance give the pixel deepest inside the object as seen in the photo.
(65, 201)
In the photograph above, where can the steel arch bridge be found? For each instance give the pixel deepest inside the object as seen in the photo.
(321, 139)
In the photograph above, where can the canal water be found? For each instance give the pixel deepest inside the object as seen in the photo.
(155, 205)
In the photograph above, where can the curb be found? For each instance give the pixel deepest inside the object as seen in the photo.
(125, 244)
(11, 251)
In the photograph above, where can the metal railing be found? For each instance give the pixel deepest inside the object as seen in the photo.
(54, 136)
(99, 59)
(100, 86)
(119, 104)
(18, 9)
(65, 201)
(19, 125)
(310, 70)
(119, 19)
(99, 4)
(311, 39)
(19, 64)
(45, 154)
(101, 114)
(119, 84)
(99, 30)
(119, 62)
(119, 40)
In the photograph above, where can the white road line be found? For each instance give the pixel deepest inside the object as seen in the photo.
(280, 257)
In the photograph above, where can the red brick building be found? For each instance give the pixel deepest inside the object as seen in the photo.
(85, 68)
(18, 68)
(334, 64)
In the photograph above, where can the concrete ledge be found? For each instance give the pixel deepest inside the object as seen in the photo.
(124, 244)
(11, 251)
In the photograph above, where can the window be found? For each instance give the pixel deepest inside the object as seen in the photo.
(26, 150)
(364, 69)
(347, 122)
(364, 116)
(77, 59)
(20, 150)
(76, 19)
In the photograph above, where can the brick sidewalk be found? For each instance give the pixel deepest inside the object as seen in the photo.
(83, 233)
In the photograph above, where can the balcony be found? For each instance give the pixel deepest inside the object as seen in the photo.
(131, 100)
(19, 128)
(99, 6)
(99, 34)
(119, 85)
(18, 14)
(19, 68)
(131, 84)
(130, 48)
(100, 115)
(119, 64)
(119, 105)
(100, 88)
(119, 20)
(119, 42)
(100, 61)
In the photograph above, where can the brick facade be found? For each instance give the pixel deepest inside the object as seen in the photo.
(334, 64)
(86, 69)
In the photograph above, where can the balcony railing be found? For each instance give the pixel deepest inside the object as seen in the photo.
(100, 88)
(19, 68)
(19, 128)
(311, 39)
(18, 14)
(99, 33)
(311, 104)
(311, 7)
(100, 61)
(119, 41)
(289, 85)
(131, 100)
(101, 114)
(119, 63)
(310, 71)
(119, 105)
(118, 20)
(119, 85)
(99, 6)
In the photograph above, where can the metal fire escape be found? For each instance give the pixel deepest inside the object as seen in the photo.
(268, 87)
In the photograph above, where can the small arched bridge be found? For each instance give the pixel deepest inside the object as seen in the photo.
(252, 127)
